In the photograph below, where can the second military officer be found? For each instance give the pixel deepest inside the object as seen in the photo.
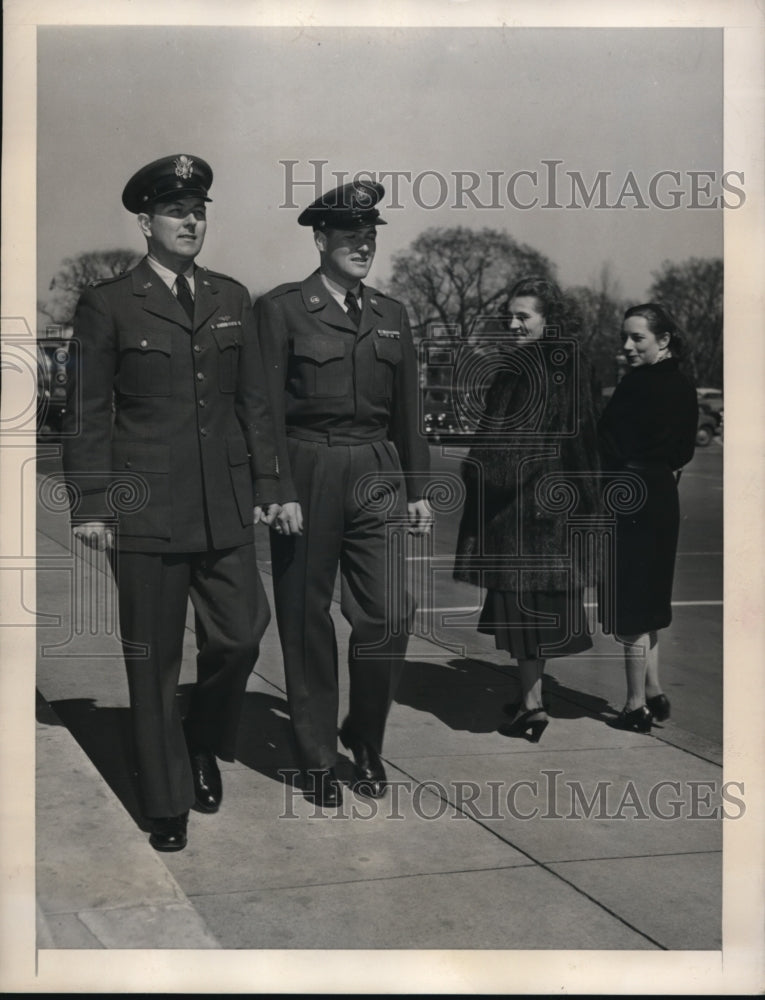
(343, 354)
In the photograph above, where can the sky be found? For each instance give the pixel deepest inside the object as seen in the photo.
(427, 101)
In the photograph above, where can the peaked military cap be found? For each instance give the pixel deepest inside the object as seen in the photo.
(170, 177)
(350, 206)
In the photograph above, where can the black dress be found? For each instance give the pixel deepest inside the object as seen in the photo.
(647, 431)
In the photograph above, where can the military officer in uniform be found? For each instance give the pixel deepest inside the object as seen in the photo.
(171, 427)
(344, 357)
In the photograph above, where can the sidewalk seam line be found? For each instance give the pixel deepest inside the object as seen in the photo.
(364, 881)
(554, 874)
(633, 857)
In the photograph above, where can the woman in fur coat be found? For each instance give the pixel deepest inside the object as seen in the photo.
(530, 477)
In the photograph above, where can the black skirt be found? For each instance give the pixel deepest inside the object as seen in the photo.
(637, 598)
(538, 625)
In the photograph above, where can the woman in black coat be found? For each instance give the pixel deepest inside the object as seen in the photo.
(647, 431)
(528, 474)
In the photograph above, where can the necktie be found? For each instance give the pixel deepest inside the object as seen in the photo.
(354, 313)
(184, 295)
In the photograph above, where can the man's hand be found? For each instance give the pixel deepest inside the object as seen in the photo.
(290, 520)
(96, 534)
(268, 515)
(420, 517)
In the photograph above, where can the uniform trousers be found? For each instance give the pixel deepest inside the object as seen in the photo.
(154, 589)
(354, 517)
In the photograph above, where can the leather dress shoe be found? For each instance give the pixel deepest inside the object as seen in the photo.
(169, 833)
(323, 787)
(639, 720)
(659, 707)
(208, 787)
(371, 779)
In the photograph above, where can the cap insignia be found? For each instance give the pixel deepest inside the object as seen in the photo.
(363, 198)
(184, 167)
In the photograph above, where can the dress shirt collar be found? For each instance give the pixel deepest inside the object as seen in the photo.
(337, 291)
(169, 276)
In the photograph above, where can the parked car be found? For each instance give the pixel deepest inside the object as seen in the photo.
(53, 360)
(710, 423)
(713, 398)
(439, 419)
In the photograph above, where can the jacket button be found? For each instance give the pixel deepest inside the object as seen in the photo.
(197, 348)
(144, 343)
(203, 402)
(128, 465)
(203, 432)
(200, 376)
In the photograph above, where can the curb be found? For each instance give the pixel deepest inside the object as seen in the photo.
(99, 882)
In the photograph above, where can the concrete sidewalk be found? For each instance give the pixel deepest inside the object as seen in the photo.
(484, 842)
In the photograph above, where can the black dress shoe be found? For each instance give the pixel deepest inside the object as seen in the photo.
(639, 720)
(169, 833)
(512, 708)
(659, 707)
(323, 787)
(530, 723)
(208, 787)
(371, 779)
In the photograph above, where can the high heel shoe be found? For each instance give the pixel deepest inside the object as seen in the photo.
(512, 708)
(532, 722)
(659, 707)
(639, 720)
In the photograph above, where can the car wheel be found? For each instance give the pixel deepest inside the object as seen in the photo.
(703, 436)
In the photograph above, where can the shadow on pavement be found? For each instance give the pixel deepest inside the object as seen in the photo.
(104, 735)
(264, 745)
(468, 694)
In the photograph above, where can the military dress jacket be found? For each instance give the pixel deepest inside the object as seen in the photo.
(340, 383)
(168, 423)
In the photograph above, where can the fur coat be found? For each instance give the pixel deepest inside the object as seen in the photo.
(532, 469)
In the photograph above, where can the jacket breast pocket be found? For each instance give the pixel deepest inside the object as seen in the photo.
(145, 363)
(318, 367)
(140, 488)
(387, 358)
(229, 341)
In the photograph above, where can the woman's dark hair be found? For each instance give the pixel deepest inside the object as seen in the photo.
(559, 311)
(660, 321)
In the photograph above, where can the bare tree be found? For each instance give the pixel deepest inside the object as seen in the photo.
(601, 308)
(693, 292)
(454, 275)
(77, 272)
